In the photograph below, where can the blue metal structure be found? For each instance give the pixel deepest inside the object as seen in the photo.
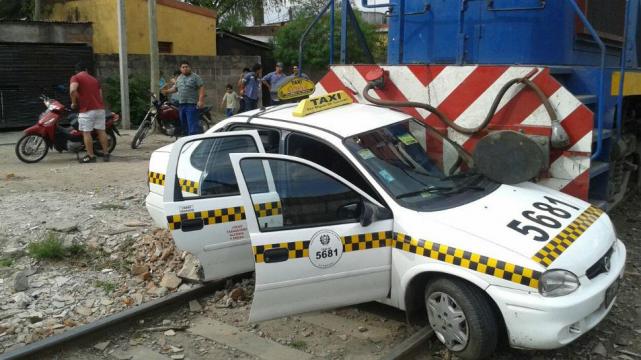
(587, 44)
(559, 34)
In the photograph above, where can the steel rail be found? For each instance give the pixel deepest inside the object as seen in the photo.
(410, 345)
(79, 332)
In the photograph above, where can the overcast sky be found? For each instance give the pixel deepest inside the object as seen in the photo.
(278, 15)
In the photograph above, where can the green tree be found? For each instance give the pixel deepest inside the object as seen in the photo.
(233, 14)
(23, 9)
(16, 9)
(316, 51)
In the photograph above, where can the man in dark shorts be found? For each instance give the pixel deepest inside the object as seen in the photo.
(86, 97)
(191, 96)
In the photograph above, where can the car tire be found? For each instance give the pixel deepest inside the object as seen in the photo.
(454, 298)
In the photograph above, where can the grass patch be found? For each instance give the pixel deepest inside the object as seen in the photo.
(299, 344)
(106, 286)
(6, 262)
(52, 248)
(49, 248)
(77, 249)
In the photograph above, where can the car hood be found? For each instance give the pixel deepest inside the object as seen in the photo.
(574, 237)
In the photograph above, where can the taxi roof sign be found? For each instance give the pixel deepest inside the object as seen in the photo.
(293, 87)
(320, 103)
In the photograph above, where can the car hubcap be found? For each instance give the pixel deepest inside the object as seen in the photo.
(448, 321)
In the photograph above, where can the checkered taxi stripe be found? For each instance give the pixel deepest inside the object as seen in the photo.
(367, 241)
(185, 185)
(553, 249)
(268, 209)
(188, 186)
(468, 260)
(156, 178)
(439, 252)
(297, 249)
(350, 243)
(210, 217)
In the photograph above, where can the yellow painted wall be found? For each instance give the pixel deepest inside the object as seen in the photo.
(190, 34)
(103, 15)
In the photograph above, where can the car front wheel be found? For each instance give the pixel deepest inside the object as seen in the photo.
(461, 318)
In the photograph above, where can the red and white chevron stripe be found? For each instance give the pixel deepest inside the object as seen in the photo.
(465, 93)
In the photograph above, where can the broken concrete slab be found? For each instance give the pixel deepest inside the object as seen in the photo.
(248, 342)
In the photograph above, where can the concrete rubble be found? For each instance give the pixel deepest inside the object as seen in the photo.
(115, 270)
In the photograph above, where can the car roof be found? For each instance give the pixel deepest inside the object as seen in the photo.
(342, 121)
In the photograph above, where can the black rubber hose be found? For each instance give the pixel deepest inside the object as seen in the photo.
(470, 131)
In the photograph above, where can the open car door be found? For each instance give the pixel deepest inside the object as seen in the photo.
(332, 247)
(202, 202)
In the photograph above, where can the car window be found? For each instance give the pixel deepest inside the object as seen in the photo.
(308, 148)
(205, 170)
(269, 137)
(308, 196)
(399, 157)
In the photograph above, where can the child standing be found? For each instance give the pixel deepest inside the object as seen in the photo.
(230, 100)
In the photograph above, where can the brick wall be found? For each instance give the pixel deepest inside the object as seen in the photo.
(216, 71)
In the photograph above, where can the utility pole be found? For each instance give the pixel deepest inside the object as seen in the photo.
(153, 49)
(37, 9)
(124, 70)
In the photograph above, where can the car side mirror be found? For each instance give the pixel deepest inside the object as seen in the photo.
(371, 212)
(349, 211)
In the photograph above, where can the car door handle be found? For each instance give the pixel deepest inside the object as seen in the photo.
(276, 255)
(191, 225)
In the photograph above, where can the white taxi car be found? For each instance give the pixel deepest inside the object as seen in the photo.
(345, 205)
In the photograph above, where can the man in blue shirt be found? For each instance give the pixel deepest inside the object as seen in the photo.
(272, 80)
(251, 87)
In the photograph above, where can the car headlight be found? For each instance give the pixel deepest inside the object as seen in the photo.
(558, 282)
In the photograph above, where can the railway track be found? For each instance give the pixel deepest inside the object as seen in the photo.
(82, 332)
(253, 346)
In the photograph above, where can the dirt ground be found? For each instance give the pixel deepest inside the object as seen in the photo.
(99, 198)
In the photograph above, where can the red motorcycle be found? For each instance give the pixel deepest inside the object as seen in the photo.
(164, 116)
(48, 133)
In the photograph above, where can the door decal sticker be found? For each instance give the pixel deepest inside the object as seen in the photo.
(325, 249)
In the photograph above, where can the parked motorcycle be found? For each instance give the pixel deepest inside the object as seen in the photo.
(163, 115)
(48, 133)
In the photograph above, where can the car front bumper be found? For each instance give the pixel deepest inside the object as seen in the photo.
(537, 322)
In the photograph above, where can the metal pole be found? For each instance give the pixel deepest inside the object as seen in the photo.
(622, 69)
(124, 70)
(344, 4)
(601, 92)
(37, 9)
(301, 43)
(331, 32)
(153, 50)
(359, 33)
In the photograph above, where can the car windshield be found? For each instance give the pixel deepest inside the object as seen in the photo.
(415, 168)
